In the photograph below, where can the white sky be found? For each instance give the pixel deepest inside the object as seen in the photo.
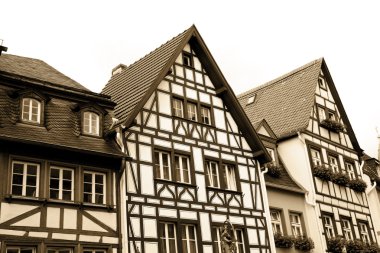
(252, 41)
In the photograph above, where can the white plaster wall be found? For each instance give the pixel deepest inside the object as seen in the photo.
(374, 206)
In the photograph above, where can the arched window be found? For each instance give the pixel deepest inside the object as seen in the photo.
(90, 123)
(31, 110)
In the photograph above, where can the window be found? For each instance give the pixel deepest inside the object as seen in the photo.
(177, 107)
(316, 157)
(189, 239)
(168, 238)
(328, 225)
(251, 99)
(212, 176)
(25, 178)
(321, 82)
(31, 110)
(192, 111)
(331, 115)
(295, 224)
(275, 216)
(272, 155)
(350, 169)
(61, 183)
(90, 123)
(363, 230)
(229, 177)
(187, 59)
(333, 162)
(182, 168)
(94, 185)
(162, 165)
(217, 241)
(347, 230)
(23, 249)
(321, 114)
(94, 251)
(60, 250)
(239, 236)
(205, 115)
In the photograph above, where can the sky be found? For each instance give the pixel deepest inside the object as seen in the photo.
(252, 41)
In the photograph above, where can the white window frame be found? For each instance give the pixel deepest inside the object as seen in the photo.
(180, 166)
(187, 239)
(160, 166)
(275, 216)
(316, 156)
(211, 175)
(322, 82)
(350, 169)
(93, 186)
(58, 250)
(328, 223)
(91, 124)
(192, 114)
(60, 179)
(230, 176)
(363, 230)
(27, 113)
(205, 114)
(218, 240)
(178, 107)
(241, 231)
(296, 224)
(334, 163)
(24, 177)
(20, 248)
(347, 229)
(167, 239)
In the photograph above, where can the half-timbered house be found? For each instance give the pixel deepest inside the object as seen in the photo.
(317, 144)
(59, 163)
(196, 158)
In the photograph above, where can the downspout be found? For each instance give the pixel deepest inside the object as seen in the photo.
(118, 200)
(266, 207)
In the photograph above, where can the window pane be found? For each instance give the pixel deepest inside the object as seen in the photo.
(87, 177)
(67, 174)
(17, 179)
(32, 169)
(30, 191)
(17, 190)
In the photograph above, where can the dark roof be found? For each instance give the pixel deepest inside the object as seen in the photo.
(34, 69)
(61, 128)
(286, 102)
(133, 86)
(370, 166)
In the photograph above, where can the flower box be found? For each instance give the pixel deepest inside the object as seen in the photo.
(274, 170)
(332, 125)
(322, 172)
(303, 244)
(283, 241)
(357, 185)
(340, 178)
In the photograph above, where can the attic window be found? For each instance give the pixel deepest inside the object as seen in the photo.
(91, 124)
(187, 59)
(31, 110)
(322, 82)
(251, 99)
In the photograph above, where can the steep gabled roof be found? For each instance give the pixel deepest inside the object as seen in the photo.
(132, 87)
(33, 69)
(286, 102)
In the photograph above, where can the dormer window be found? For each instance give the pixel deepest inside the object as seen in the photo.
(251, 99)
(31, 110)
(91, 123)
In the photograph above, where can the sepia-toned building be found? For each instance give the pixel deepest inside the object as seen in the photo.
(318, 147)
(196, 159)
(59, 164)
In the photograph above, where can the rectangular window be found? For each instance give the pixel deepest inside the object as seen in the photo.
(94, 187)
(217, 241)
(189, 239)
(275, 216)
(328, 225)
(347, 229)
(363, 230)
(61, 183)
(162, 165)
(295, 224)
(182, 168)
(349, 169)
(23, 249)
(187, 59)
(205, 115)
(239, 236)
(321, 82)
(316, 157)
(229, 178)
(177, 107)
(192, 111)
(31, 110)
(94, 251)
(333, 162)
(212, 176)
(331, 115)
(25, 178)
(59, 250)
(90, 123)
(168, 237)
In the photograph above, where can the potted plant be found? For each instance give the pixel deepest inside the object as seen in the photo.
(357, 185)
(283, 241)
(340, 178)
(303, 243)
(332, 125)
(335, 244)
(274, 170)
(354, 246)
(372, 248)
(322, 172)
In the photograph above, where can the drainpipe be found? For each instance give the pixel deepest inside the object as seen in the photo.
(266, 207)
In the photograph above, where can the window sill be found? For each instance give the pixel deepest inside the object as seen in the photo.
(210, 188)
(165, 181)
(194, 122)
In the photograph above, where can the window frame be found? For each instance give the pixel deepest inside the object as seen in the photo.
(335, 167)
(322, 82)
(60, 187)
(294, 225)
(59, 249)
(188, 112)
(329, 228)
(278, 221)
(313, 159)
(178, 229)
(180, 179)
(30, 113)
(24, 178)
(202, 117)
(217, 240)
(272, 153)
(93, 186)
(99, 120)
(19, 247)
(321, 113)
(367, 233)
(189, 56)
(199, 106)
(187, 239)
(223, 182)
(174, 109)
(230, 182)
(351, 173)
(347, 230)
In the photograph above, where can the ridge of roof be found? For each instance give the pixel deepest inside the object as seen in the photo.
(284, 76)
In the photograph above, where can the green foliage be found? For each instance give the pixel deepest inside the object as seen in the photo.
(274, 170)
(340, 178)
(283, 241)
(322, 172)
(354, 246)
(303, 243)
(357, 185)
(332, 125)
(335, 245)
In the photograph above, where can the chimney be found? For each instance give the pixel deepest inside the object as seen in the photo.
(2, 48)
(118, 69)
